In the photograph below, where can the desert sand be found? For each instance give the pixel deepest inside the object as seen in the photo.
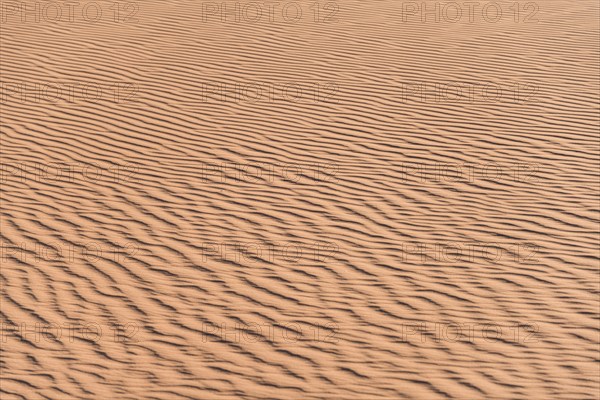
(335, 200)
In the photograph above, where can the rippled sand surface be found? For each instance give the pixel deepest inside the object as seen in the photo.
(341, 200)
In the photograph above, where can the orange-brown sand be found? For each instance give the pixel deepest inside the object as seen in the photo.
(336, 200)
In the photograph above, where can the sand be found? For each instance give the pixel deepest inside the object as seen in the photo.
(340, 200)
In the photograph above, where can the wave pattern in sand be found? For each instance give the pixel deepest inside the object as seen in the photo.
(365, 207)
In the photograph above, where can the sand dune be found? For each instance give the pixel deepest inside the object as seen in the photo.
(337, 200)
